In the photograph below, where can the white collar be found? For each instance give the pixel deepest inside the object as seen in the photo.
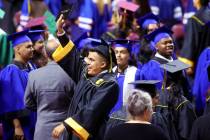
(162, 57)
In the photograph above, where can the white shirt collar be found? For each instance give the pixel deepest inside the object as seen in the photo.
(162, 57)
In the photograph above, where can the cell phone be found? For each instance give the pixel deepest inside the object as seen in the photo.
(68, 10)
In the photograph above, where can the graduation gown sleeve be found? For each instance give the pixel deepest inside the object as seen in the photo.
(85, 122)
(67, 56)
(152, 71)
(13, 83)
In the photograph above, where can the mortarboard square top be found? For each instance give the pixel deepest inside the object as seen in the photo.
(174, 66)
(19, 38)
(159, 34)
(147, 19)
(39, 21)
(147, 85)
(124, 43)
(35, 35)
(130, 6)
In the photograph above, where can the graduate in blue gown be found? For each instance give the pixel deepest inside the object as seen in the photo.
(125, 69)
(201, 81)
(170, 15)
(17, 121)
(176, 82)
(94, 17)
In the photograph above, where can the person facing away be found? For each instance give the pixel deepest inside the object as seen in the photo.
(18, 122)
(96, 91)
(139, 107)
(197, 35)
(49, 91)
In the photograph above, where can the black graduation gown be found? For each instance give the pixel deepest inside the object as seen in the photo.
(93, 99)
(200, 130)
(197, 36)
(177, 110)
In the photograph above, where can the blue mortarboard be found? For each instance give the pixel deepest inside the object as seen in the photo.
(147, 19)
(19, 38)
(147, 85)
(158, 34)
(124, 43)
(35, 35)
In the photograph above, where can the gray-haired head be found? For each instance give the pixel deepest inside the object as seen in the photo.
(138, 102)
(51, 45)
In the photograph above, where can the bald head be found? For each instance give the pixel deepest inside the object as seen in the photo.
(51, 46)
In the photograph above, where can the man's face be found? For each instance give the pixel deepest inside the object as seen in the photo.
(165, 47)
(122, 56)
(151, 28)
(39, 46)
(25, 50)
(96, 63)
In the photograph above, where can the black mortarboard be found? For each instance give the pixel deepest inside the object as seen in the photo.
(124, 43)
(106, 51)
(158, 34)
(147, 19)
(147, 85)
(130, 6)
(19, 38)
(174, 66)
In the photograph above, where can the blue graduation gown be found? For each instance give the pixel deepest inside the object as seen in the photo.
(91, 20)
(201, 80)
(13, 81)
(129, 75)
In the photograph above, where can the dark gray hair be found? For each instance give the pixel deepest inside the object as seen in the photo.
(138, 102)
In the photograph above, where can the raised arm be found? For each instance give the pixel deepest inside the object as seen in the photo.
(66, 55)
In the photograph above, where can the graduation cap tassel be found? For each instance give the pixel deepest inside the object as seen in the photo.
(164, 80)
(124, 20)
(110, 57)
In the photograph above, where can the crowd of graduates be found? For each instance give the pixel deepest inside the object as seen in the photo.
(158, 46)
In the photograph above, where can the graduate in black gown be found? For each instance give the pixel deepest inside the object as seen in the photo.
(96, 91)
(18, 122)
(200, 130)
(197, 35)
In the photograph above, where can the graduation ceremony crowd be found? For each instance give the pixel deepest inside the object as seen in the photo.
(104, 69)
